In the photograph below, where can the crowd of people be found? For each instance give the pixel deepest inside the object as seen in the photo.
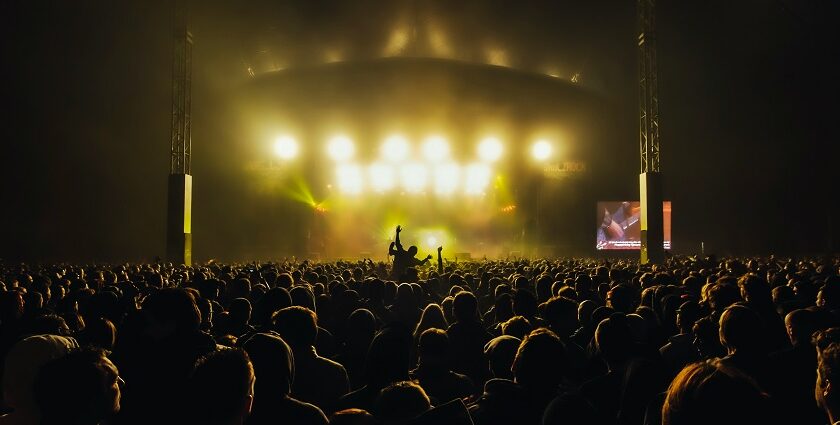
(567, 341)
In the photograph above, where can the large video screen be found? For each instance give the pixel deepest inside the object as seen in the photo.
(619, 225)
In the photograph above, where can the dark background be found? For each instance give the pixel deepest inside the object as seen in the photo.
(748, 95)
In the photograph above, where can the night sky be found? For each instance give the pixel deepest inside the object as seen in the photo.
(748, 95)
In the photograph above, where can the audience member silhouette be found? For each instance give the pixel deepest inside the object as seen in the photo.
(275, 366)
(467, 338)
(320, 381)
(433, 371)
(80, 388)
(222, 388)
(710, 392)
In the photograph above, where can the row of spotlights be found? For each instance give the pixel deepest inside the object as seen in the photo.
(397, 148)
(444, 179)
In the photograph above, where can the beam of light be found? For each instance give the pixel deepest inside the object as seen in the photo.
(382, 177)
(490, 149)
(435, 148)
(299, 191)
(447, 178)
(541, 150)
(414, 177)
(350, 179)
(285, 147)
(395, 148)
(340, 148)
(477, 179)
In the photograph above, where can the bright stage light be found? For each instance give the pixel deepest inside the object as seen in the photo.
(431, 241)
(285, 147)
(490, 149)
(477, 179)
(382, 177)
(395, 148)
(435, 148)
(414, 177)
(446, 179)
(541, 150)
(350, 180)
(340, 148)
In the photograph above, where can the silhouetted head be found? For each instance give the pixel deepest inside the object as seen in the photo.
(465, 307)
(432, 317)
(621, 299)
(240, 311)
(741, 329)
(412, 251)
(361, 326)
(524, 303)
(687, 314)
(297, 326)
(540, 361)
(826, 390)
(222, 387)
(23, 362)
(352, 417)
(273, 363)
(388, 357)
(754, 289)
(516, 326)
(99, 333)
(401, 401)
(561, 315)
(501, 351)
(433, 348)
(614, 339)
(82, 387)
(171, 310)
(801, 325)
(710, 392)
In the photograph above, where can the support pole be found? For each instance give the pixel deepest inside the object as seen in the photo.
(179, 209)
(650, 177)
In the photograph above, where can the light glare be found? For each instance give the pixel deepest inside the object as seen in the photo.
(382, 177)
(435, 148)
(395, 148)
(477, 179)
(350, 180)
(490, 149)
(340, 148)
(414, 177)
(541, 150)
(431, 241)
(285, 147)
(446, 179)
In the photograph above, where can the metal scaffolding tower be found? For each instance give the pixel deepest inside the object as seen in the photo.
(179, 210)
(650, 178)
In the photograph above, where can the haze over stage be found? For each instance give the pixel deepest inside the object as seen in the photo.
(747, 111)
(423, 142)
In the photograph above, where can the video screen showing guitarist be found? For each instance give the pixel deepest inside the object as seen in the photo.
(619, 223)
